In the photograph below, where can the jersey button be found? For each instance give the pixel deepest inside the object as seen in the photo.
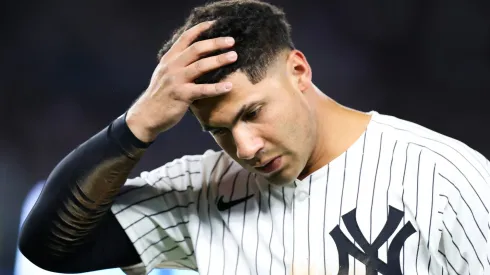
(302, 195)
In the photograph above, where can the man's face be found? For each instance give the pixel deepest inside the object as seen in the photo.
(268, 127)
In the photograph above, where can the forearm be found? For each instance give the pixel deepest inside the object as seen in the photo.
(78, 193)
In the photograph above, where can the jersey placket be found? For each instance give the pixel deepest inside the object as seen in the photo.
(300, 214)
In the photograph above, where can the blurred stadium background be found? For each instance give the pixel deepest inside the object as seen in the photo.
(67, 68)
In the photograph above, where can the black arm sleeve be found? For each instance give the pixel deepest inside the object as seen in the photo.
(71, 228)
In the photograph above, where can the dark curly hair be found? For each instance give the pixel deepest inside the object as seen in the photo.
(260, 30)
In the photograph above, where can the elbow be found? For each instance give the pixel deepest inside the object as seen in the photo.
(31, 250)
(34, 241)
(28, 245)
(34, 250)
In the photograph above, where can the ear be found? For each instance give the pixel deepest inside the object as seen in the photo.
(299, 70)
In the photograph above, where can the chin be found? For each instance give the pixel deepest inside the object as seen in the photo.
(281, 178)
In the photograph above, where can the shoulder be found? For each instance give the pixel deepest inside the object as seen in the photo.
(187, 172)
(447, 152)
(459, 172)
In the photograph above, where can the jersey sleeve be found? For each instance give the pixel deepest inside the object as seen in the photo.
(465, 229)
(154, 210)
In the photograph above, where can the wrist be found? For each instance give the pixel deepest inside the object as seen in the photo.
(137, 128)
(120, 133)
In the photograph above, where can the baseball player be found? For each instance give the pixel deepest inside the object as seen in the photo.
(303, 185)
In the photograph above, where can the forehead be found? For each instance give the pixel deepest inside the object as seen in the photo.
(243, 93)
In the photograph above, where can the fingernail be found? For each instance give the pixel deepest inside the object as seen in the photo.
(227, 86)
(229, 40)
(231, 55)
(211, 22)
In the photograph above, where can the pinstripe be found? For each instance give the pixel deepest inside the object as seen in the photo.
(258, 234)
(455, 245)
(283, 232)
(163, 239)
(199, 220)
(360, 172)
(389, 183)
(228, 221)
(167, 251)
(431, 210)
(374, 187)
(359, 181)
(223, 222)
(324, 225)
(294, 225)
(403, 201)
(158, 213)
(165, 228)
(232, 193)
(209, 211)
(343, 185)
(464, 231)
(417, 212)
(308, 230)
(152, 197)
(244, 215)
(150, 184)
(448, 262)
(272, 227)
(198, 207)
(469, 208)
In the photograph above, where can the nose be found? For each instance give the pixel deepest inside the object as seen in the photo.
(247, 143)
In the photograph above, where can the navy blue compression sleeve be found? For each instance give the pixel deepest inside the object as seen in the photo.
(71, 227)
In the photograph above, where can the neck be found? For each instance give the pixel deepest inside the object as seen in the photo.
(338, 127)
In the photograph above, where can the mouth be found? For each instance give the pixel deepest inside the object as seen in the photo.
(269, 166)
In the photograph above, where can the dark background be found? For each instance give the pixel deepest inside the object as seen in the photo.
(67, 68)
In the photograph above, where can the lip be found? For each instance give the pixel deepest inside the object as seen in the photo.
(270, 166)
(264, 163)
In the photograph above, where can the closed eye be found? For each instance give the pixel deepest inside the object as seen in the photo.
(246, 116)
(253, 114)
(218, 131)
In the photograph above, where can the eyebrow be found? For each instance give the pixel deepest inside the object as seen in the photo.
(208, 128)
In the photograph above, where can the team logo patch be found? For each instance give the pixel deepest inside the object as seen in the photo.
(369, 255)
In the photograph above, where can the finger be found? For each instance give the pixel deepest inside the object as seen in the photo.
(207, 64)
(200, 48)
(188, 36)
(200, 91)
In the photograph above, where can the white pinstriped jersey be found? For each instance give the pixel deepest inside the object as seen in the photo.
(401, 200)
